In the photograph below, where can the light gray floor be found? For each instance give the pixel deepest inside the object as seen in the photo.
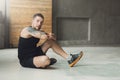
(98, 63)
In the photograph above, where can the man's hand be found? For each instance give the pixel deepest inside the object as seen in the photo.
(51, 36)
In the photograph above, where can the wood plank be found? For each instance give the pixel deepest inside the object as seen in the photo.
(21, 12)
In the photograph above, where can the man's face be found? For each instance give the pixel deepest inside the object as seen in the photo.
(37, 22)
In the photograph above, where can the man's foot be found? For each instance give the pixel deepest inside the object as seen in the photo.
(75, 58)
(52, 61)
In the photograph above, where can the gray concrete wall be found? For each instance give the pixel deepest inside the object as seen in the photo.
(103, 21)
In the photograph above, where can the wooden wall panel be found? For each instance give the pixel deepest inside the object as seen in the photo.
(21, 12)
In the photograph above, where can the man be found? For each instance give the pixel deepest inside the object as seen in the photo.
(35, 57)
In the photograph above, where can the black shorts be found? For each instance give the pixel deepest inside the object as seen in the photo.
(28, 62)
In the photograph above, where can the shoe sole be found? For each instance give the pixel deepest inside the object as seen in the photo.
(74, 62)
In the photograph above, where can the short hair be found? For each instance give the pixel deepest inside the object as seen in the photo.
(38, 14)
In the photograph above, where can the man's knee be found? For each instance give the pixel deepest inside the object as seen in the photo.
(41, 61)
(49, 42)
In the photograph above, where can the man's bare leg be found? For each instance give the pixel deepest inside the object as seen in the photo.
(55, 47)
(71, 58)
(43, 61)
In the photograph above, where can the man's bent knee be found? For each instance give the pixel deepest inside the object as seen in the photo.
(50, 42)
(41, 61)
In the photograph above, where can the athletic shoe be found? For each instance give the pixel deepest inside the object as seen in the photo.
(75, 58)
(52, 61)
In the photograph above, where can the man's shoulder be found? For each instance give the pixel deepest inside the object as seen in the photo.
(30, 29)
(27, 28)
